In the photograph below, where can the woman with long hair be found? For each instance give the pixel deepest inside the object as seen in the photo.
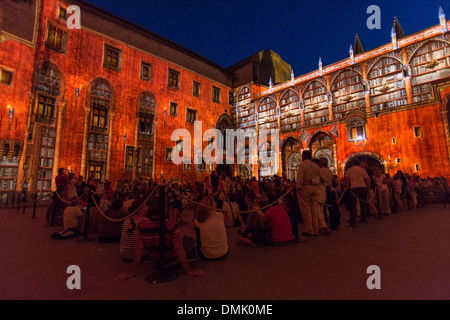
(209, 225)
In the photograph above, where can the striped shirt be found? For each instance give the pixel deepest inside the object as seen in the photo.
(149, 233)
(128, 239)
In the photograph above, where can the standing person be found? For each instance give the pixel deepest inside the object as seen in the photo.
(321, 198)
(398, 187)
(72, 186)
(61, 183)
(255, 186)
(383, 192)
(358, 182)
(307, 192)
(80, 185)
(209, 225)
(330, 195)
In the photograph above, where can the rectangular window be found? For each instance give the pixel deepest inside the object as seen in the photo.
(191, 115)
(394, 141)
(168, 154)
(186, 166)
(173, 79)
(97, 170)
(6, 77)
(356, 133)
(216, 94)
(146, 71)
(418, 132)
(45, 107)
(112, 58)
(145, 126)
(173, 109)
(179, 145)
(62, 14)
(132, 158)
(55, 38)
(196, 89)
(231, 100)
(416, 167)
(99, 118)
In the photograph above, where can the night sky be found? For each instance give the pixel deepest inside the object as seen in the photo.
(228, 31)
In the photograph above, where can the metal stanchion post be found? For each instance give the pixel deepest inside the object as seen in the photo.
(34, 205)
(86, 219)
(162, 274)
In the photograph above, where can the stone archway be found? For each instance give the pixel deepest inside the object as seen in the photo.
(374, 161)
(328, 154)
(290, 145)
(293, 161)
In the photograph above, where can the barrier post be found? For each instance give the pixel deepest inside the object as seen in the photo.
(86, 218)
(34, 205)
(162, 274)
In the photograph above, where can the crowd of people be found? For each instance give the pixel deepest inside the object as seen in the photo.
(266, 211)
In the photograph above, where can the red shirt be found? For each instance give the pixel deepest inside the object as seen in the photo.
(148, 231)
(280, 224)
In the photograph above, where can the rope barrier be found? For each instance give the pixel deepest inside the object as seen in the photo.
(129, 215)
(366, 201)
(70, 201)
(26, 203)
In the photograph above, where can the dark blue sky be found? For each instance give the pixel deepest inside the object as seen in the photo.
(228, 31)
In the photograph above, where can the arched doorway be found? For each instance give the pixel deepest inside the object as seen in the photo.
(321, 145)
(326, 153)
(293, 161)
(373, 160)
(289, 146)
(245, 171)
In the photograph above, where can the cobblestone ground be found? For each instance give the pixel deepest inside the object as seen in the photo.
(411, 249)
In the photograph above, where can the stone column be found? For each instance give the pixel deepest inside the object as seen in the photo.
(136, 133)
(87, 111)
(35, 162)
(20, 173)
(61, 107)
(366, 94)
(446, 129)
(408, 86)
(110, 132)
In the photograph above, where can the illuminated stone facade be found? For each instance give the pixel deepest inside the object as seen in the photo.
(106, 98)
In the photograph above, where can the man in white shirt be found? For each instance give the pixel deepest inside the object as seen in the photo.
(358, 182)
(72, 222)
(308, 176)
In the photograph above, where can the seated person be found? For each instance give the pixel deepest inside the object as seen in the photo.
(279, 224)
(109, 230)
(128, 239)
(209, 225)
(255, 235)
(148, 238)
(72, 221)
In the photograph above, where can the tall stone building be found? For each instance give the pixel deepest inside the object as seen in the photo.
(106, 98)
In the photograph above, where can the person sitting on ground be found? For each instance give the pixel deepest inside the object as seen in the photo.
(72, 221)
(209, 225)
(255, 234)
(128, 239)
(110, 231)
(279, 224)
(148, 238)
(231, 209)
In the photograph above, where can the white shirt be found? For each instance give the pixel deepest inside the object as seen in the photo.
(213, 236)
(357, 177)
(70, 218)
